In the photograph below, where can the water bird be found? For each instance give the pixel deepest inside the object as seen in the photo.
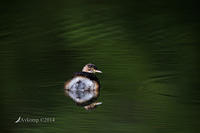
(84, 87)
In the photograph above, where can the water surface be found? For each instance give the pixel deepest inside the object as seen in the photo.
(148, 52)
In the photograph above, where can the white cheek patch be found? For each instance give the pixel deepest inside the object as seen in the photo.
(81, 89)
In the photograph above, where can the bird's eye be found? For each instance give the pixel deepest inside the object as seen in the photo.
(89, 66)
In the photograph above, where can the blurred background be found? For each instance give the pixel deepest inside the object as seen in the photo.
(148, 52)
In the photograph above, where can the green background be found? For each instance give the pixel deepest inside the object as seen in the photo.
(148, 52)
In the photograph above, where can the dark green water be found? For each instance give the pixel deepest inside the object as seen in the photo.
(148, 52)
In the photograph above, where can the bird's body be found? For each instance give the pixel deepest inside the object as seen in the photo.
(83, 88)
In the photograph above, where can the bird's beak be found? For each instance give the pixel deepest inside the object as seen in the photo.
(98, 71)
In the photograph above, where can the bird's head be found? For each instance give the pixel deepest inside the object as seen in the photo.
(91, 68)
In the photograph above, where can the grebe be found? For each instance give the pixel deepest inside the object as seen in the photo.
(84, 87)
